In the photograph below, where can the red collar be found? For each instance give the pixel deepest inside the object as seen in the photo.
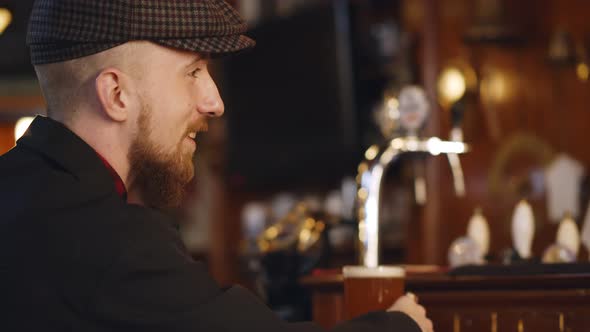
(119, 184)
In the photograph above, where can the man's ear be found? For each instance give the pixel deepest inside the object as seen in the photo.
(112, 90)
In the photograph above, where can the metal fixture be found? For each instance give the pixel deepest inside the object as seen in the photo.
(370, 178)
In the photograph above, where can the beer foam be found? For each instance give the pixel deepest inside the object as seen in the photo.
(373, 272)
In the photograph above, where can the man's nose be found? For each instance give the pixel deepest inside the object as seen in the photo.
(210, 102)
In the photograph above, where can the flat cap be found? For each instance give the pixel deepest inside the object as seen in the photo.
(61, 30)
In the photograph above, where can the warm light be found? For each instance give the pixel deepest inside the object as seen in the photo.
(420, 190)
(451, 85)
(5, 19)
(372, 152)
(583, 71)
(495, 86)
(304, 235)
(392, 103)
(435, 146)
(398, 143)
(21, 127)
(363, 167)
(393, 108)
(412, 145)
(362, 234)
(387, 156)
(363, 194)
(271, 232)
(456, 80)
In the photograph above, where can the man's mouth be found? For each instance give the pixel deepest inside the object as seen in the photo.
(195, 130)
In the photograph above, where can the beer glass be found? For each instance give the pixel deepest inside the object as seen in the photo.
(368, 289)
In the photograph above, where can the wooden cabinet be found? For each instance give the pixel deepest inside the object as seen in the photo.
(556, 303)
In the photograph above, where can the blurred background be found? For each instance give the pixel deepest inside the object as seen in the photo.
(304, 108)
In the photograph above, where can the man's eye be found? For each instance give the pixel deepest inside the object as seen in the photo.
(195, 72)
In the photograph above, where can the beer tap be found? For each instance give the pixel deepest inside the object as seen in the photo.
(413, 108)
(457, 111)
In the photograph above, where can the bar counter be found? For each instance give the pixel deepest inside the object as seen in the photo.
(539, 303)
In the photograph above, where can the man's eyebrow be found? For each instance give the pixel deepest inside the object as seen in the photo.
(197, 58)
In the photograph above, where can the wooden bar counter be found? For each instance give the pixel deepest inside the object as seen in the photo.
(535, 303)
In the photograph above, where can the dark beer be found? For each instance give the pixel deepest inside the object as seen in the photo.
(370, 289)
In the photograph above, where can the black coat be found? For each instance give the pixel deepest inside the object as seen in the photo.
(75, 257)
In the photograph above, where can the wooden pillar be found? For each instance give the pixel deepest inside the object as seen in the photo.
(430, 241)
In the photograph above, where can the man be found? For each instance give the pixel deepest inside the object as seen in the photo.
(83, 244)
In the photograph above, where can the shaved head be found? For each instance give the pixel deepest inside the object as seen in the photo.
(68, 85)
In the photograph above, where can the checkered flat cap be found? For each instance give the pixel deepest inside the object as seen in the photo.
(61, 30)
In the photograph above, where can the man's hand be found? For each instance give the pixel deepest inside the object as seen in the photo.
(408, 304)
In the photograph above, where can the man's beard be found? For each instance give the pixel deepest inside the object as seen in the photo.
(159, 178)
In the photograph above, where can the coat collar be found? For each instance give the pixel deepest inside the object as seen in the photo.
(64, 148)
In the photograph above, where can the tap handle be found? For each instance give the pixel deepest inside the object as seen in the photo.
(457, 111)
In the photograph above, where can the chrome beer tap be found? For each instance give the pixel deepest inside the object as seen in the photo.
(413, 107)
